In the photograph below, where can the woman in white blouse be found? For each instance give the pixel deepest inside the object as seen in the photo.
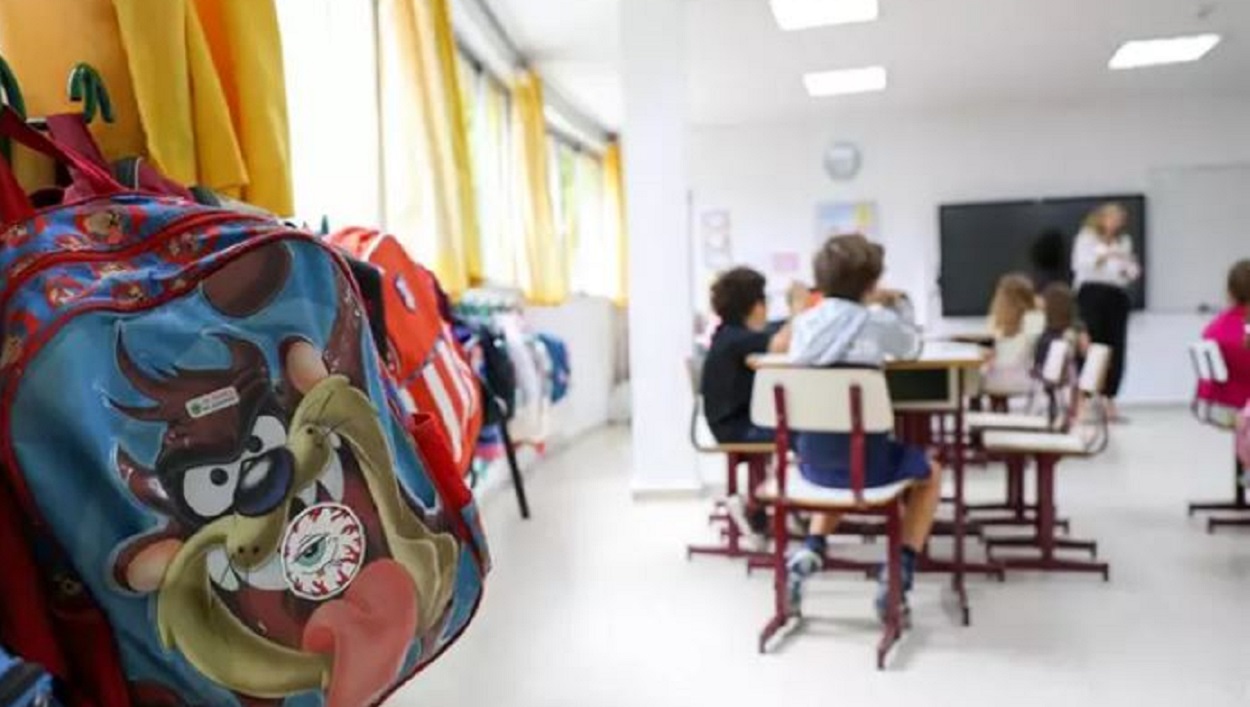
(1104, 267)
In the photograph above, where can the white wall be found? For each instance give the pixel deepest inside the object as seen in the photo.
(769, 178)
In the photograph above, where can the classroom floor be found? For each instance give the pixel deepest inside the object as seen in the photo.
(593, 604)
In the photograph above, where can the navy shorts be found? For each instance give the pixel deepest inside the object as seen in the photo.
(825, 460)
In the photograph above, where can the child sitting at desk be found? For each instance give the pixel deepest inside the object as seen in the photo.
(1062, 324)
(739, 301)
(857, 323)
(1015, 323)
(1228, 330)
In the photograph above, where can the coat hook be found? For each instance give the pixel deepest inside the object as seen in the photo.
(86, 86)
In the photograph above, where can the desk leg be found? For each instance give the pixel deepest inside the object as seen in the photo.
(957, 579)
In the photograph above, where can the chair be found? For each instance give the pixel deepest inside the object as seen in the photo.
(1210, 367)
(837, 400)
(754, 455)
(1055, 376)
(1047, 449)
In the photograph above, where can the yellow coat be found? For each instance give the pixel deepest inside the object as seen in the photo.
(244, 39)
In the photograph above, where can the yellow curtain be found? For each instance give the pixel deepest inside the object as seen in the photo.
(430, 202)
(180, 97)
(614, 219)
(544, 278)
(246, 48)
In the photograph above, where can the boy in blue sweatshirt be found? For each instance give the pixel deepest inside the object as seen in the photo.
(859, 324)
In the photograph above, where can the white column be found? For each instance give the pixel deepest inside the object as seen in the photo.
(653, 62)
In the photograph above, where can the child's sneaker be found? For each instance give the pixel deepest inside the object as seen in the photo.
(883, 583)
(802, 563)
(750, 536)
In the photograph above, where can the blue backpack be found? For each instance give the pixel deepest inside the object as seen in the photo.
(561, 372)
(212, 461)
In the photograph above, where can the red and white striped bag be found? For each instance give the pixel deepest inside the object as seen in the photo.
(424, 355)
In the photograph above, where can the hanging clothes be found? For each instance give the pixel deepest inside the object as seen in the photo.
(180, 98)
(246, 47)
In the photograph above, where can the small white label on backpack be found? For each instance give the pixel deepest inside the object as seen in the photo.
(210, 403)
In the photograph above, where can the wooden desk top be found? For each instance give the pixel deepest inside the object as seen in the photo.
(936, 355)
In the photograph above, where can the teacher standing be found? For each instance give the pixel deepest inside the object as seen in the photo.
(1104, 267)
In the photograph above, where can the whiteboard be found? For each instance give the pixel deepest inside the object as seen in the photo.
(1199, 226)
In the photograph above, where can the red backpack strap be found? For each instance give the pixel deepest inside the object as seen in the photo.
(441, 466)
(14, 204)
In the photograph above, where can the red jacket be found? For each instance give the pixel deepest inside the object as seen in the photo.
(1229, 331)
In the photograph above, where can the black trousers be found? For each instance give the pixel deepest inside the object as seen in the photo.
(1104, 310)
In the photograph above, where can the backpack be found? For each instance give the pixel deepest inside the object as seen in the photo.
(23, 684)
(214, 474)
(425, 356)
(498, 375)
(561, 371)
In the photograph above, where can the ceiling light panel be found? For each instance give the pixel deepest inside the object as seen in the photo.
(1169, 50)
(795, 15)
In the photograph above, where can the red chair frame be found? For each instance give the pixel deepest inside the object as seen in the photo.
(782, 506)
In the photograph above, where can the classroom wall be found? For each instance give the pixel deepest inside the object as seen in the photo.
(769, 178)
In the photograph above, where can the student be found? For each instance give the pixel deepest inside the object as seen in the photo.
(1049, 257)
(739, 301)
(1015, 324)
(1059, 306)
(858, 323)
(1228, 329)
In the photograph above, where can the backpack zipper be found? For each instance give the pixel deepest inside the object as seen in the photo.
(174, 228)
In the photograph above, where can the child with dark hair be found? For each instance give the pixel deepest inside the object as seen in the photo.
(739, 300)
(859, 323)
(1049, 257)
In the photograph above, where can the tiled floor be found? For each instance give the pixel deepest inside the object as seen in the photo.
(593, 604)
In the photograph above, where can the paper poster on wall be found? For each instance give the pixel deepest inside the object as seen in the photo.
(716, 239)
(836, 218)
(786, 263)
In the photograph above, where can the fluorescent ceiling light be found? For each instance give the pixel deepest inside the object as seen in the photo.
(836, 83)
(1170, 50)
(804, 14)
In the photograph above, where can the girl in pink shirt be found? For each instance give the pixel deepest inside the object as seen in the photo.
(1229, 330)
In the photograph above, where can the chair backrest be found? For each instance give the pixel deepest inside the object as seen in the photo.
(1055, 366)
(1208, 361)
(694, 369)
(818, 399)
(1094, 371)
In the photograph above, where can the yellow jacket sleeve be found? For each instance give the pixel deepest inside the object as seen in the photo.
(246, 47)
(180, 98)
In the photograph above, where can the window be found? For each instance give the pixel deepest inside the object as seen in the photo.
(487, 107)
(577, 196)
(595, 250)
(333, 112)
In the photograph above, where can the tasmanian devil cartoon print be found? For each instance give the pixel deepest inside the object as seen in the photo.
(291, 559)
